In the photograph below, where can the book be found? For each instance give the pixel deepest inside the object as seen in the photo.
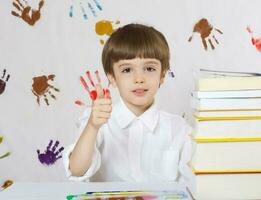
(227, 115)
(226, 156)
(227, 186)
(226, 94)
(130, 195)
(214, 80)
(226, 104)
(233, 129)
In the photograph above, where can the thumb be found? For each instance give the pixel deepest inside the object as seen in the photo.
(99, 91)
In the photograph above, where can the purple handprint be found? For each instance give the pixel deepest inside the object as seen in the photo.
(50, 156)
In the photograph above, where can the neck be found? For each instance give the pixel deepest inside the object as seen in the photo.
(138, 110)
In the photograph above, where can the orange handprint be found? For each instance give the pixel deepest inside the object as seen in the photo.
(205, 29)
(105, 27)
(28, 14)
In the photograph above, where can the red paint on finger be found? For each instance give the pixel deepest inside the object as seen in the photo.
(79, 103)
(93, 95)
(84, 84)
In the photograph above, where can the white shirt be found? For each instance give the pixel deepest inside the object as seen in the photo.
(152, 147)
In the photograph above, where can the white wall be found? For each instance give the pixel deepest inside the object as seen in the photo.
(64, 46)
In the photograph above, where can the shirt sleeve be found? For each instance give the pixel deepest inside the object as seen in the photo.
(186, 175)
(96, 158)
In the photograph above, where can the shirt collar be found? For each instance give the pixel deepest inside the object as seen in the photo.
(125, 117)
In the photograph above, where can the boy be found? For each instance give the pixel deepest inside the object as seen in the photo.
(133, 141)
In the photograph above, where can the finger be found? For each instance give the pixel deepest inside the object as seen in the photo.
(89, 77)
(99, 91)
(17, 7)
(103, 108)
(211, 44)
(103, 101)
(100, 114)
(107, 93)
(15, 14)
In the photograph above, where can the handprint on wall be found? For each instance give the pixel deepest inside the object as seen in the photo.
(50, 155)
(205, 29)
(41, 88)
(84, 6)
(255, 41)
(29, 15)
(105, 27)
(6, 184)
(3, 81)
(6, 152)
(92, 93)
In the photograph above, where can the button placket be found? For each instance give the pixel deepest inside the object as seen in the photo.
(134, 149)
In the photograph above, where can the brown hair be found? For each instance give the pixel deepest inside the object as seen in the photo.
(135, 40)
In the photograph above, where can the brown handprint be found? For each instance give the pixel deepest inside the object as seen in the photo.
(28, 14)
(3, 82)
(205, 29)
(41, 88)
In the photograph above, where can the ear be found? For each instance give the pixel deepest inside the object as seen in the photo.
(112, 80)
(162, 78)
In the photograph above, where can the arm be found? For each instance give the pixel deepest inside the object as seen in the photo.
(81, 157)
(186, 175)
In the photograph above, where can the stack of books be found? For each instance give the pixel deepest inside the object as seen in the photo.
(227, 134)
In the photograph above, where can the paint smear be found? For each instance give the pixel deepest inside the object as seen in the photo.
(205, 29)
(26, 13)
(79, 103)
(6, 184)
(87, 7)
(42, 89)
(105, 27)
(3, 81)
(50, 155)
(5, 155)
(255, 41)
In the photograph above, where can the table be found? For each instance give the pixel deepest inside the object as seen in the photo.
(59, 190)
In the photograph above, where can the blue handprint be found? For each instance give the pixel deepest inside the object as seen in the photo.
(50, 155)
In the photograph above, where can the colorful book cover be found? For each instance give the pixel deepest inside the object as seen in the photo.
(131, 195)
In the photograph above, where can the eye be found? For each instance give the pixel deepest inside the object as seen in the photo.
(126, 70)
(150, 69)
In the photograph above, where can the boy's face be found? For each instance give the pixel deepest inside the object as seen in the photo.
(137, 80)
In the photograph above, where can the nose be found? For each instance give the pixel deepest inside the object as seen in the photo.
(139, 77)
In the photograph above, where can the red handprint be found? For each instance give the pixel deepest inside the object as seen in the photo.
(92, 93)
(26, 10)
(255, 41)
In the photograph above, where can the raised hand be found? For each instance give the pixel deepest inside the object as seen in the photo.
(51, 155)
(92, 93)
(29, 15)
(101, 108)
(205, 29)
(101, 101)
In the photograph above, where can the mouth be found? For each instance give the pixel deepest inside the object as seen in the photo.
(139, 92)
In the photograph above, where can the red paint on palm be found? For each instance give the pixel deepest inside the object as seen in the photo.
(92, 93)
